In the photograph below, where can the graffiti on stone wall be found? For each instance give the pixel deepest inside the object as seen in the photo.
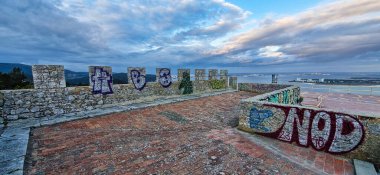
(257, 117)
(101, 81)
(138, 80)
(165, 78)
(290, 96)
(324, 131)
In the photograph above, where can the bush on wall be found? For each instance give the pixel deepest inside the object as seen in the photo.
(218, 84)
(186, 85)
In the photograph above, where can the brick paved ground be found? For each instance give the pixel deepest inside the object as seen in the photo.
(263, 147)
(191, 137)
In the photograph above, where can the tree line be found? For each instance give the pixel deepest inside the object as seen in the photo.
(16, 79)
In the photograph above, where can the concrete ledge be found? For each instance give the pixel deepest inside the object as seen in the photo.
(364, 168)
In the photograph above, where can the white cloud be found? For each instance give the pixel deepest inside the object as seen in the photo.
(334, 31)
(134, 31)
(270, 52)
(188, 32)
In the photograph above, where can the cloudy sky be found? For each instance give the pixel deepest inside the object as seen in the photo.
(241, 35)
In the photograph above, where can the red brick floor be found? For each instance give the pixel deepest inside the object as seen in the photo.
(262, 147)
(191, 137)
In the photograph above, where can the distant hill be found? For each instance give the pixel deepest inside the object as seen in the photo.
(8, 67)
(75, 75)
(72, 78)
(118, 78)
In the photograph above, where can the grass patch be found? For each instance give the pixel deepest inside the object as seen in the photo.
(174, 117)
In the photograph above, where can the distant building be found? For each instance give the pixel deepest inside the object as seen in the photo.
(274, 78)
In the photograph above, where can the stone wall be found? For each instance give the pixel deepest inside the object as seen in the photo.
(261, 88)
(289, 95)
(200, 74)
(278, 115)
(41, 102)
(213, 74)
(224, 74)
(181, 72)
(232, 82)
(48, 76)
(1, 106)
(164, 77)
(21, 104)
(100, 78)
(200, 83)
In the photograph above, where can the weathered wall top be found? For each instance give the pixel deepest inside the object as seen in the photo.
(213, 74)
(261, 88)
(51, 97)
(48, 76)
(223, 74)
(100, 79)
(181, 72)
(200, 74)
(164, 77)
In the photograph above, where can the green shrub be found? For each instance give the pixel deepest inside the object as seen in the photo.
(218, 84)
(300, 100)
(186, 84)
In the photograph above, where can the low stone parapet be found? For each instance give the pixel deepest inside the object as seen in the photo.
(278, 115)
(260, 88)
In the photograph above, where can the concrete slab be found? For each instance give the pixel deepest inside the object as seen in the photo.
(364, 168)
(12, 167)
(13, 146)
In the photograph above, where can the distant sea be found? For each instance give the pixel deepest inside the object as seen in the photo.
(284, 78)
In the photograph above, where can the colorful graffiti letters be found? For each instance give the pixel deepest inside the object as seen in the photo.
(165, 78)
(102, 81)
(138, 79)
(324, 131)
(320, 130)
(257, 117)
(348, 130)
(302, 128)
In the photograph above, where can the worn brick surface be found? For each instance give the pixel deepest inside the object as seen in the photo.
(191, 137)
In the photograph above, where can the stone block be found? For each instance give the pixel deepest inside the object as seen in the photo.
(136, 76)
(223, 74)
(200, 74)
(1, 99)
(12, 117)
(181, 72)
(48, 76)
(363, 167)
(232, 82)
(213, 74)
(164, 77)
(100, 78)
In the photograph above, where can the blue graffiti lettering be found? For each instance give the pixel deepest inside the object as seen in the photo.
(101, 81)
(138, 80)
(165, 78)
(257, 117)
